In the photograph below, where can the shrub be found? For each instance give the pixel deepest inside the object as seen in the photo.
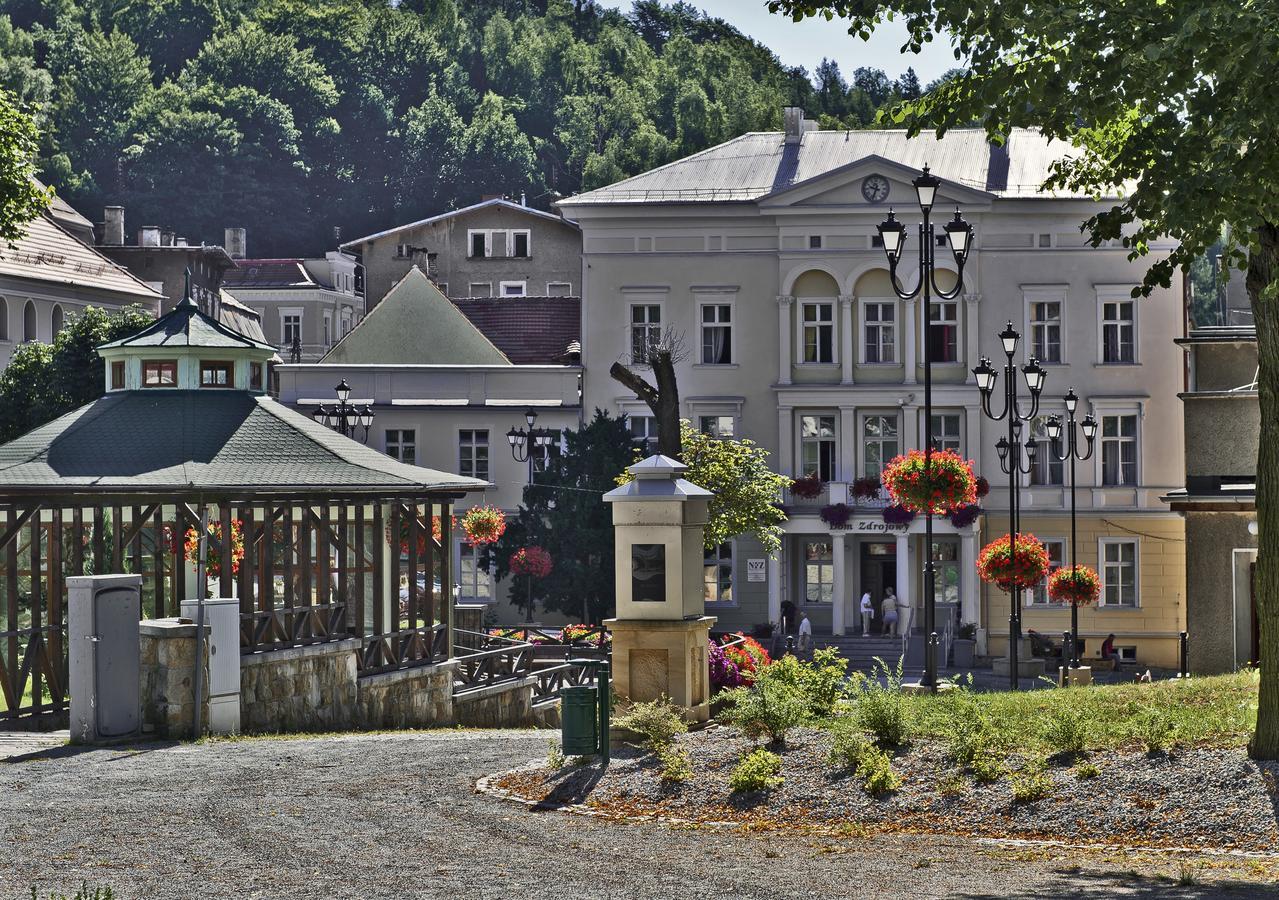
(971, 731)
(555, 758)
(847, 746)
(877, 774)
(988, 766)
(1087, 769)
(881, 708)
(1066, 729)
(758, 771)
(1156, 730)
(820, 682)
(771, 706)
(658, 721)
(676, 767)
(951, 784)
(1032, 783)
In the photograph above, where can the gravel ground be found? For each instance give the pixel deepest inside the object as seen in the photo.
(1200, 798)
(397, 816)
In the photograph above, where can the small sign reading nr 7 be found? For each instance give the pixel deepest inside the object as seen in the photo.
(756, 569)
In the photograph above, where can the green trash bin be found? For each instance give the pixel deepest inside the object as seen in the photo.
(579, 732)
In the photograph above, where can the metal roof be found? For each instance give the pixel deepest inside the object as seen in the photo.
(496, 201)
(185, 441)
(761, 164)
(50, 253)
(186, 326)
(264, 273)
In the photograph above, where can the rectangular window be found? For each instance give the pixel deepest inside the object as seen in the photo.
(646, 331)
(160, 373)
(943, 332)
(328, 330)
(403, 251)
(217, 374)
(814, 242)
(643, 428)
(946, 431)
(292, 328)
(1119, 450)
(514, 288)
(1118, 331)
(1048, 470)
(819, 572)
(1119, 572)
(401, 444)
(255, 376)
(1045, 331)
(481, 289)
(717, 579)
(717, 334)
(1056, 548)
(473, 574)
(117, 374)
(519, 244)
(819, 332)
(817, 446)
(1045, 240)
(946, 568)
(479, 244)
(559, 289)
(544, 456)
(473, 453)
(879, 443)
(880, 327)
(717, 426)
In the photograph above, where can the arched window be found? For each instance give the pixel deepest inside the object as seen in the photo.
(4, 319)
(29, 322)
(57, 320)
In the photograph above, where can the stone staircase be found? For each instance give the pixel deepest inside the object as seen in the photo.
(862, 651)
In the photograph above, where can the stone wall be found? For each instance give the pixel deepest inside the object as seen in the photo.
(167, 674)
(300, 689)
(500, 706)
(420, 697)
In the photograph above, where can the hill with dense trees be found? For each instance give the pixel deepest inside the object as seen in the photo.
(297, 117)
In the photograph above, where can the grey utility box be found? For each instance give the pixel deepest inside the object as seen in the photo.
(222, 617)
(103, 612)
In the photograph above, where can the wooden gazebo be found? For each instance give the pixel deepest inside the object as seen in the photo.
(338, 539)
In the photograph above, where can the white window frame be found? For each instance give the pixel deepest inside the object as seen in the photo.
(801, 330)
(285, 313)
(720, 560)
(400, 443)
(522, 285)
(958, 324)
(567, 285)
(328, 329)
(1038, 595)
(958, 414)
(1045, 447)
(716, 433)
(1104, 542)
(800, 470)
(469, 591)
(821, 582)
(1117, 293)
(865, 302)
(715, 302)
(4, 320)
(631, 325)
(861, 437)
(1032, 294)
(1102, 413)
(510, 243)
(487, 233)
(474, 284)
(488, 442)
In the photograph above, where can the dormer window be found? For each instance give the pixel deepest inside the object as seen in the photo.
(255, 376)
(216, 374)
(117, 375)
(159, 373)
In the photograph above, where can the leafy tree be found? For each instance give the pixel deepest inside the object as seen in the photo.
(170, 32)
(30, 85)
(21, 199)
(1174, 101)
(44, 381)
(563, 513)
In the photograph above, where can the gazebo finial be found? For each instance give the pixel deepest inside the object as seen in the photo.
(187, 299)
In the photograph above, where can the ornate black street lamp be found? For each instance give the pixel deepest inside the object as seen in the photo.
(1010, 451)
(344, 417)
(1053, 427)
(893, 235)
(523, 442)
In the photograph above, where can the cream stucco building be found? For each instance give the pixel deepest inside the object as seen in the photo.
(763, 253)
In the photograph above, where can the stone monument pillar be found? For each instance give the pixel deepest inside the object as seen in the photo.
(660, 633)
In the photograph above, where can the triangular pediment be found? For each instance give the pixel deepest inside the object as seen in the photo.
(861, 184)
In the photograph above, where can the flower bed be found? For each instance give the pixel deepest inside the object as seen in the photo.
(997, 564)
(947, 483)
(736, 665)
(1076, 585)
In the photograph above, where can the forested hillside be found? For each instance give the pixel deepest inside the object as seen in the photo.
(297, 117)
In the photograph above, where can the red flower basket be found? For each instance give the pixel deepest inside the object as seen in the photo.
(533, 561)
(996, 564)
(807, 486)
(1076, 585)
(483, 525)
(948, 484)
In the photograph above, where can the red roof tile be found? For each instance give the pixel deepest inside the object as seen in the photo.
(529, 330)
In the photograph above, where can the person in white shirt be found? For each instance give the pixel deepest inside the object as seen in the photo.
(868, 613)
(805, 633)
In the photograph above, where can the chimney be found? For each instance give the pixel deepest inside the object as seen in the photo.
(236, 242)
(180, 242)
(484, 198)
(166, 238)
(793, 119)
(523, 199)
(149, 236)
(113, 230)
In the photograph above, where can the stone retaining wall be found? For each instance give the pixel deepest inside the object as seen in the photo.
(507, 705)
(167, 676)
(300, 689)
(420, 697)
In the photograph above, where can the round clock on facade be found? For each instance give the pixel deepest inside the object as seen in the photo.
(875, 188)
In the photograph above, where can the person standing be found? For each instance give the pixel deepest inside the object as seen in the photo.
(868, 613)
(788, 616)
(888, 623)
(805, 633)
(904, 615)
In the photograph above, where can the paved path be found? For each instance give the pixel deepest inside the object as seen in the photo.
(396, 816)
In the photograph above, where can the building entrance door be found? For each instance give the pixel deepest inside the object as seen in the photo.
(878, 573)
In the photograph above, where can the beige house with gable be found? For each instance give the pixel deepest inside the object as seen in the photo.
(763, 252)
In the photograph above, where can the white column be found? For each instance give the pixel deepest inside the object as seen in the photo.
(837, 611)
(785, 337)
(847, 462)
(972, 334)
(904, 590)
(775, 583)
(785, 439)
(846, 337)
(909, 340)
(968, 577)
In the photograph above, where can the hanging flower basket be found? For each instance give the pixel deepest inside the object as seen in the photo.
(866, 488)
(965, 515)
(836, 515)
(1076, 585)
(949, 483)
(808, 487)
(483, 525)
(983, 487)
(996, 564)
(898, 515)
(532, 561)
(213, 548)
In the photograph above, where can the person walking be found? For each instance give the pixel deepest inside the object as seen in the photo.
(805, 633)
(888, 623)
(868, 613)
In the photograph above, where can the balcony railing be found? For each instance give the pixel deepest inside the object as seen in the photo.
(833, 492)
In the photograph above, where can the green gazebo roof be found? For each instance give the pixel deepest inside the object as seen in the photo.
(186, 326)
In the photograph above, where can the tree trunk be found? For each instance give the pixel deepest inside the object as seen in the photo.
(662, 400)
(1263, 271)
